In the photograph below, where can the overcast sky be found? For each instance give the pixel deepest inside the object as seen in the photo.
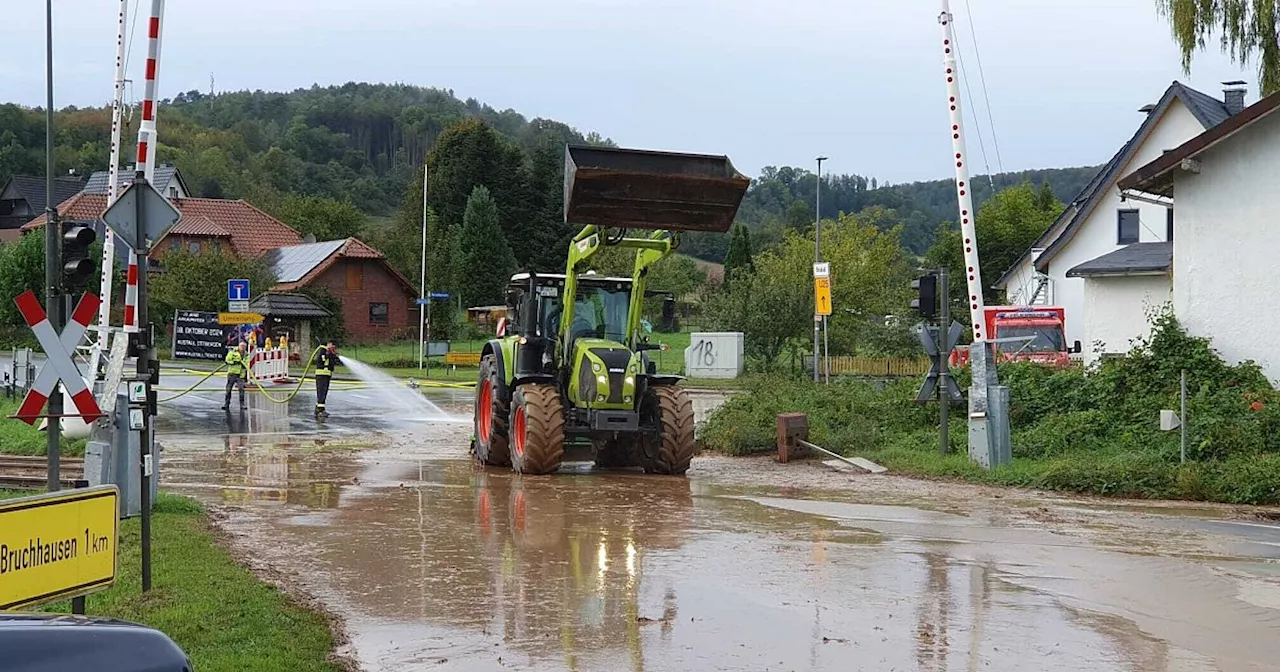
(764, 81)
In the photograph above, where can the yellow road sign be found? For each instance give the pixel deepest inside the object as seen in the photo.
(822, 295)
(239, 318)
(58, 545)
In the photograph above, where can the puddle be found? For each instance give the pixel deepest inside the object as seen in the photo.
(434, 563)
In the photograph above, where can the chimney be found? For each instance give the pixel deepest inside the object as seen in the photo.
(1233, 96)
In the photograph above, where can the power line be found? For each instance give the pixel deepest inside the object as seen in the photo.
(982, 77)
(977, 126)
(133, 28)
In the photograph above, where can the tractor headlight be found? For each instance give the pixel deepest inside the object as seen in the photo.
(626, 399)
(595, 366)
(602, 380)
(630, 380)
(600, 397)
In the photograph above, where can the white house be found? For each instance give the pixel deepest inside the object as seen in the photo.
(1223, 183)
(1097, 223)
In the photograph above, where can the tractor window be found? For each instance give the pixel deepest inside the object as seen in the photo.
(601, 312)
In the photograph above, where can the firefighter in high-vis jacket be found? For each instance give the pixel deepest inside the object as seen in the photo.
(325, 361)
(235, 374)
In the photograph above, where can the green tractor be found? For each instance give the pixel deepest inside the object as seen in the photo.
(570, 365)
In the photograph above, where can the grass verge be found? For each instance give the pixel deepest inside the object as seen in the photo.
(19, 438)
(215, 609)
(1081, 451)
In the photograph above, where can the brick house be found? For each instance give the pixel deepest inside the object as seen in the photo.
(377, 300)
(378, 303)
(206, 225)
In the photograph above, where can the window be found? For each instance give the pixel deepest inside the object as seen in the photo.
(1168, 224)
(194, 247)
(355, 275)
(1126, 227)
(378, 313)
(175, 244)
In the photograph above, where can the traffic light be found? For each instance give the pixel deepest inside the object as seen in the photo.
(77, 266)
(927, 286)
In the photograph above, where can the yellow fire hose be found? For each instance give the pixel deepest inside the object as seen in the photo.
(297, 388)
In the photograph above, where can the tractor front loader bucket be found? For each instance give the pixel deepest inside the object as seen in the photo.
(641, 189)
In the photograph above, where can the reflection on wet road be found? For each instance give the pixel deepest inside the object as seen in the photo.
(436, 564)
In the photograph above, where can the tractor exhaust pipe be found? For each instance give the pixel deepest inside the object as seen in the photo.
(643, 189)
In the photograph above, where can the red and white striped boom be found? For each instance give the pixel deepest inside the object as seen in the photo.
(146, 150)
(968, 234)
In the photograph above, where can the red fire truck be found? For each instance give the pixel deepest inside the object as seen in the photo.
(1040, 330)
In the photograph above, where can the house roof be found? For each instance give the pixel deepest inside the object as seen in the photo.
(287, 305)
(1157, 176)
(1207, 110)
(165, 174)
(33, 189)
(1135, 259)
(298, 265)
(251, 230)
(291, 264)
(199, 225)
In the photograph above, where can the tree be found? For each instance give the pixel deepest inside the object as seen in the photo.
(22, 268)
(798, 216)
(1007, 226)
(739, 256)
(1246, 27)
(773, 306)
(471, 154)
(331, 328)
(486, 262)
(323, 217)
(199, 282)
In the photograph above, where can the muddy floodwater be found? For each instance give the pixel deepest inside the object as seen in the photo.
(433, 563)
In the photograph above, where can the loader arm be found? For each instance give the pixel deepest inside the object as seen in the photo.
(649, 251)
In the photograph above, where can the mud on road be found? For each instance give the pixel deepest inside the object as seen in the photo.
(434, 563)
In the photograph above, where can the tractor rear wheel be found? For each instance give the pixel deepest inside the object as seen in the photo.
(537, 429)
(669, 409)
(492, 409)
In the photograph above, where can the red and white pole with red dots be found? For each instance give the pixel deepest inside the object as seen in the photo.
(146, 150)
(968, 235)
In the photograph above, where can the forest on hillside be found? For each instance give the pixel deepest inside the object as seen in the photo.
(357, 149)
(357, 142)
(782, 198)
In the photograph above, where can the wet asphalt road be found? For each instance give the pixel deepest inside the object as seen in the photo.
(436, 564)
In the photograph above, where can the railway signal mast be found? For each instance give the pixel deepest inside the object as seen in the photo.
(988, 401)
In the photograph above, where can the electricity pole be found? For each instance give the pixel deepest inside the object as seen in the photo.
(52, 229)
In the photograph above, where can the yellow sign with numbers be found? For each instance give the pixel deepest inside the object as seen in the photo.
(822, 296)
(58, 545)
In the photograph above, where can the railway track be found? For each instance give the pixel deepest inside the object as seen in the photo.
(22, 472)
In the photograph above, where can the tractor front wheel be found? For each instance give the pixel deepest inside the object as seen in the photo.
(537, 429)
(670, 410)
(492, 408)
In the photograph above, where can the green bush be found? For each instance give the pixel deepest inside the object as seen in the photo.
(1094, 430)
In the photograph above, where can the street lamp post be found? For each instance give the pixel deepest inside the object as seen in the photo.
(422, 286)
(819, 322)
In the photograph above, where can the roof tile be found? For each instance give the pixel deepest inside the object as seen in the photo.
(251, 230)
